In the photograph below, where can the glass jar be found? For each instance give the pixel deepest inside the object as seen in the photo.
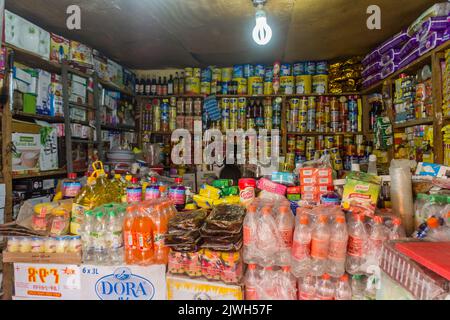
(25, 245)
(60, 222)
(13, 244)
(49, 245)
(37, 245)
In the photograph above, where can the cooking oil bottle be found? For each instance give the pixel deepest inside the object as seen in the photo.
(87, 199)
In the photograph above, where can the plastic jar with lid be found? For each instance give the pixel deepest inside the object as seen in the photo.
(60, 222)
(49, 245)
(75, 244)
(13, 244)
(25, 245)
(61, 244)
(40, 217)
(37, 245)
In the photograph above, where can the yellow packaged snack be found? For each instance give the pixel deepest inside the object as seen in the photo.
(203, 202)
(209, 192)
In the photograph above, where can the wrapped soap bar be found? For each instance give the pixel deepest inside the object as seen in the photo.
(269, 186)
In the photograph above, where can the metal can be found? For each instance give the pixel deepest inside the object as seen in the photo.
(300, 145)
(233, 105)
(287, 84)
(285, 70)
(180, 107)
(338, 141)
(241, 85)
(196, 72)
(310, 68)
(322, 67)
(291, 144)
(303, 84)
(227, 74)
(303, 105)
(238, 71)
(294, 103)
(172, 118)
(329, 142)
(197, 107)
(310, 143)
(156, 118)
(293, 120)
(225, 115)
(299, 68)
(189, 107)
(268, 88)
(320, 143)
(205, 88)
(259, 71)
(249, 71)
(206, 75)
(188, 72)
(268, 74)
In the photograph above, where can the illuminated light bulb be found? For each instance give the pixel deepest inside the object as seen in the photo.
(262, 33)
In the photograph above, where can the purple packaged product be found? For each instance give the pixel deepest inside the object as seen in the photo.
(371, 57)
(411, 57)
(285, 70)
(446, 35)
(431, 42)
(371, 80)
(410, 46)
(395, 41)
(431, 25)
(248, 71)
(373, 68)
(388, 57)
(310, 68)
(388, 70)
(299, 68)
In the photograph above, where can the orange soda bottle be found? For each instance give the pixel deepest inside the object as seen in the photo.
(129, 235)
(144, 227)
(160, 229)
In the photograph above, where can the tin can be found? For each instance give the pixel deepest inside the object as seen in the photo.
(196, 72)
(320, 143)
(180, 122)
(197, 107)
(238, 71)
(268, 73)
(300, 145)
(205, 88)
(303, 105)
(173, 118)
(241, 85)
(156, 118)
(322, 67)
(293, 120)
(290, 158)
(227, 74)
(291, 144)
(249, 71)
(320, 84)
(310, 68)
(303, 84)
(338, 141)
(189, 107)
(225, 87)
(192, 85)
(259, 71)
(255, 86)
(329, 142)
(338, 165)
(225, 115)
(268, 88)
(285, 70)
(206, 75)
(310, 143)
(299, 68)
(287, 84)
(216, 74)
(188, 72)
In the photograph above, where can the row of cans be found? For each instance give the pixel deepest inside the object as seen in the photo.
(350, 145)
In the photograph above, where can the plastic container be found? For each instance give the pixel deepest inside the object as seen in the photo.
(71, 186)
(247, 190)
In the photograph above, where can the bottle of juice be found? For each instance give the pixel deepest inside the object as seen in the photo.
(134, 191)
(86, 200)
(160, 228)
(177, 194)
(143, 227)
(152, 191)
(129, 236)
(71, 186)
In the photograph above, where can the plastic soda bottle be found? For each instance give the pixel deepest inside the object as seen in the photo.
(287, 285)
(285, 222)
(320, 240)
(152, 191)
(144, 227)
(325, 288)
(343, 289)
(377, 237)
(99, 237)
(301, 248)
(251, 283)
(268, 242)
(177, 194)
(250, 234)
(114, 238)
(134, 191)
(129, 236)
(356, 248)
(337, 251)
(396, 232)
(86, 232)
(160, 229)
(307, 288)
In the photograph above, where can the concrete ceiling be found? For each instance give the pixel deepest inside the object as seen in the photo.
(151, 34)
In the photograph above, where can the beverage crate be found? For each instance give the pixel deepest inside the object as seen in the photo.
(421, 282)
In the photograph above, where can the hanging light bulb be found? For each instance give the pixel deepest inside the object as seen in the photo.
(262, 33)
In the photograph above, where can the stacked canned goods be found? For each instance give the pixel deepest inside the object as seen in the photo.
(342, 149)
(324, 115)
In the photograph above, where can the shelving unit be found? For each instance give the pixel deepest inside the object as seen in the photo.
(432, 58)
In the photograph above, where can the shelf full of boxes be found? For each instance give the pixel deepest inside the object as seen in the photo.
(63, 95)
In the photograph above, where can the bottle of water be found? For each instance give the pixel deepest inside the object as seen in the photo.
(356, 249)
(301, 247)
(99, 235)
(325, 288)
(320, 241)
(307, 288)
(114, 237)
(338, 248)
(343, 289)
(86, 237)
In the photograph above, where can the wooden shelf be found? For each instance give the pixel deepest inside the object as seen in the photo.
(51, 119)
(411, 68)
(412, 123)
(113, 87)
(81, 106)
(33, 60)
(220, 96)
(118, 127)
(324, 133)
(40, 174)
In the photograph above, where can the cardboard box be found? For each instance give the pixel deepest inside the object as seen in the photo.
(55, 258)
(48, 159)
(43, 93)
(184, 288)
(27, 152)
(29, 103)
(101, 65)
(48, 281)
(59, 48)
(26, 35)
(123, 282)
(81, 54)
(115, 73)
